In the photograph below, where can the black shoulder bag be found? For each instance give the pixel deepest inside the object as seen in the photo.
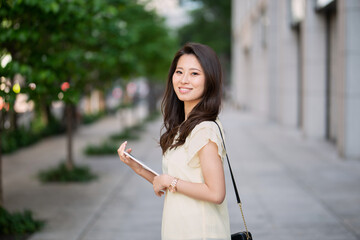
(245, 235)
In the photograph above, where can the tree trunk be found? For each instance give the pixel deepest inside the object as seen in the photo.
(12, 113)
(88, 104)
(1, 185)
(45, 113)
(13, 119)
(102, 104)
(69, 134)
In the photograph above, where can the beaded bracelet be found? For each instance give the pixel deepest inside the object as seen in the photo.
(172, 187)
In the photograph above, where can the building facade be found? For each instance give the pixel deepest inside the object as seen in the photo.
(297, 62)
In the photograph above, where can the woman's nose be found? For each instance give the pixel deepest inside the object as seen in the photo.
(184, 79)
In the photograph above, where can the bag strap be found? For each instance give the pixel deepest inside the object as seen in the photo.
(234, 184)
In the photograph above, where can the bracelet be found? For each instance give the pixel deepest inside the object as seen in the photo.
(172, 187)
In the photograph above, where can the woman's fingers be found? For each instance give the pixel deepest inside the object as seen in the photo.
(159, 193)
(125, 159)
(121, 150)
(158, 189)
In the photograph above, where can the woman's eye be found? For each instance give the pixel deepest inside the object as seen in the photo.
(178, 72)
(194, 73)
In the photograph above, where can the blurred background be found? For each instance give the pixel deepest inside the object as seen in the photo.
(297, 63)
(67, 65)
(87, 58)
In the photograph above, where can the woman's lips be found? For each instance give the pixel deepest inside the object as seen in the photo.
(184, 90)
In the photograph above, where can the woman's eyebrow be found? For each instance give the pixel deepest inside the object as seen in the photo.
(189, 68)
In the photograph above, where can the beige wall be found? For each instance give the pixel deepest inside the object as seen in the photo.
(303, 77)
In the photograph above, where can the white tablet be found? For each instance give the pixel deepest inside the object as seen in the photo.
(141, 163)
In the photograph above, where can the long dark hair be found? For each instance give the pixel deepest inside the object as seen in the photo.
(206, 110)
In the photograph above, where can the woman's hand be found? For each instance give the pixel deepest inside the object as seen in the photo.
(128, 161)
(161, 183)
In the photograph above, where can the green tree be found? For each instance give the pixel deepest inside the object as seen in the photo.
(87, 44)
(211, 25)
(46, 38)
(158, 47)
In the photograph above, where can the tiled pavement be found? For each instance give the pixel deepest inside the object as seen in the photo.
(291, 188)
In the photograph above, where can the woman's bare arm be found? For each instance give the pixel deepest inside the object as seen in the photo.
(213, 188)
(136, 167)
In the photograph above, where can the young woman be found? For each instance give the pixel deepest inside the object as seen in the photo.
(193, 175)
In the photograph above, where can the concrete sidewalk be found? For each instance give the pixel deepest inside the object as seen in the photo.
(291, 188)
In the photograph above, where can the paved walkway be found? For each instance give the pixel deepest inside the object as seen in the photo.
(291, 188)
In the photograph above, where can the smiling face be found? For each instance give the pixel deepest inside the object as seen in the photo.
(189, 81)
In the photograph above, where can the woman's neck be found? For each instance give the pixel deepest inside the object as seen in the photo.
(187, 109)
(189, 106)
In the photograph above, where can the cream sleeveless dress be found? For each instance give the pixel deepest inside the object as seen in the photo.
(185, 218)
